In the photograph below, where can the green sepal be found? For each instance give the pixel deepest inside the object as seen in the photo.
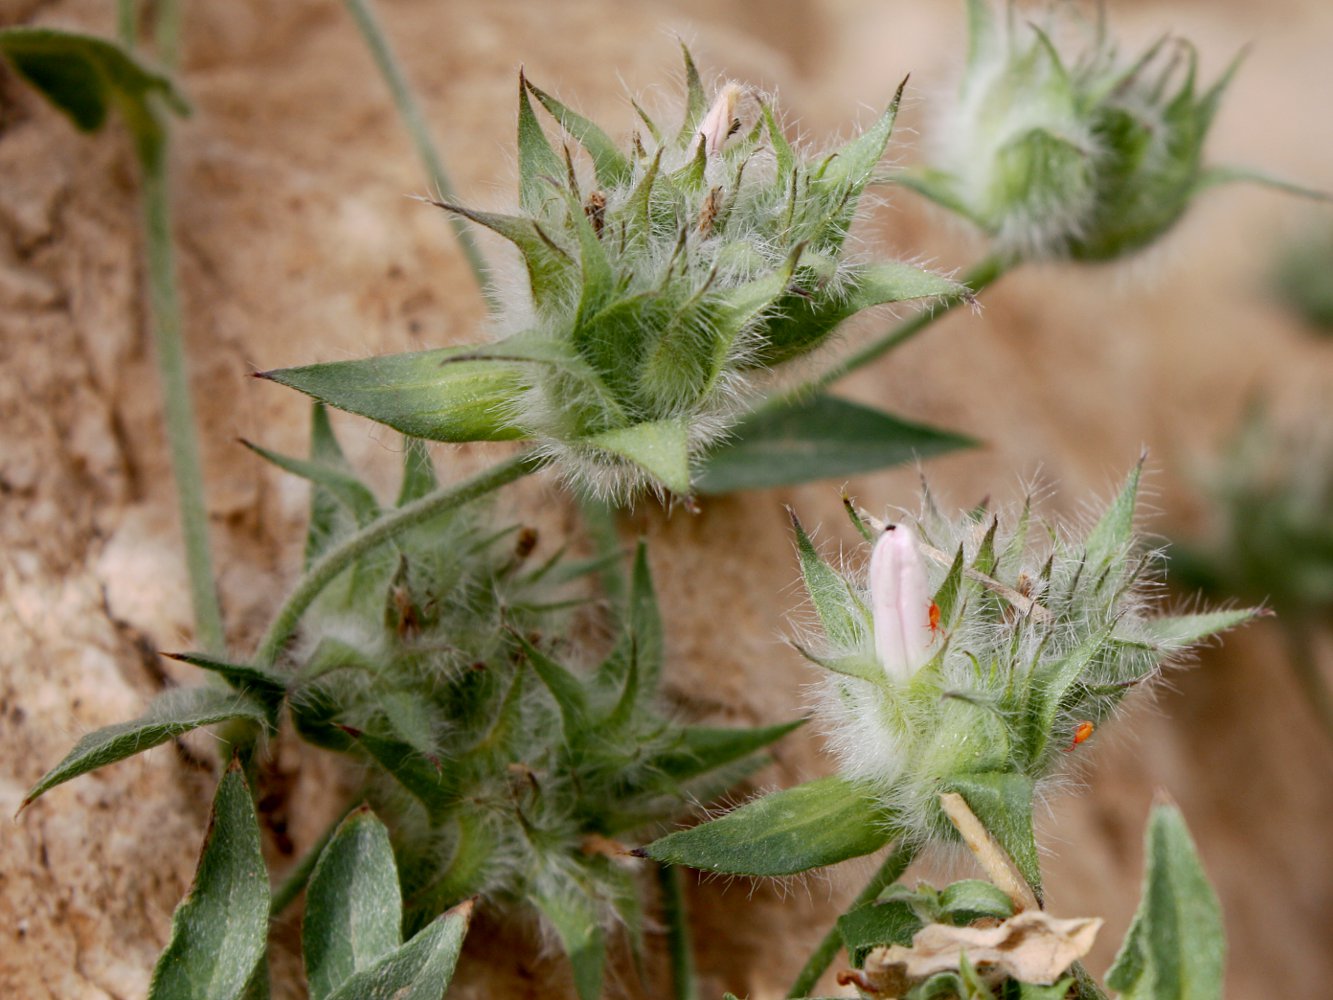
(1050, 687)
(1002, 801)
(819, 823)
(782, 151)
(1175, 948)
(851, 167)
(1180, 631)
(420, 969)
(576, 923)
(567, 690)
(642, 639)
(660, 448)
(819, 437)
(85, 76)
(464, 876)
(171, 714)
(335, 482)
(551, 270)
(609, 163)
(804, 322)
(702, 748)
(353, 912)
(418, 472)
(863, 668)
(695, 102)
(828, 591)
(219, 934)
(425, 394)
(538, 166)
(946, 598)
(1114, 530)
(433, 783)
(875, 925)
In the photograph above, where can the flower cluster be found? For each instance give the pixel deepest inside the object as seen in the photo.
(1092, 157)
(659, 289)
(984, 644)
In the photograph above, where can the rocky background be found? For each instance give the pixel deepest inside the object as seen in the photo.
(296, 244)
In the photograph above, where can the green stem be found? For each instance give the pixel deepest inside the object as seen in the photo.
(167, 32)
(338, 558)
(894, 865)
(178, 410)
(678, 932)
(290, 887)
(986, 272)
(415, 121)
(125, 24)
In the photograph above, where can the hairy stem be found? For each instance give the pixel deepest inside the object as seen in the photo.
(678, 932)
(178, 409)
(338, 558)
(412, 116)
(889, 872)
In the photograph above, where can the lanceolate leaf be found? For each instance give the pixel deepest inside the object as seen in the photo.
(1185, 630)
(610, 164)
(424, 394)
(703, 748)
(819, 823)
(244, 676)
(576, 923)
(420, 969)
(353, 914)
(433, 783)
(337, 483)
(171, 715)
(219, 934)
(1176, 946)
(822, 437)
(828, 591)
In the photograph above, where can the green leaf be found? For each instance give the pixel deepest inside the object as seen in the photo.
(642, 641)
(565, 688)
(610, 165)
(353, 914)
(703, 748)
(420, 969)
(1003, 803)
(220, 932)
(946, 598)
(1179, 631)
(661, 449)
(433, 784)
(550, 268)
(852, 164)
(828, 591)
(1176, 946)
(575, 920)
(822, 437)
(170, 715)
(873, 925)
(1049, 687)
(424, 394)
(695, 101)
(1115, 529)
(819, 823)
(337, 483)
(85, 77)
(972, 899)
(243, 676)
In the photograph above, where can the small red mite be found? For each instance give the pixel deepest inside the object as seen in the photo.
(934, 619)
(1081, 732)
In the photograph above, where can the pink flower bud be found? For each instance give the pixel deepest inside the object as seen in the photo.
(900, 603)
(716, 126)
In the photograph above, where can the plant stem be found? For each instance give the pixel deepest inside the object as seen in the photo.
(986, 272)
(415, 121)
(678, 932)
(125, 32)
(178, 409)
(338, 558)
(166, 32)
(894, 865)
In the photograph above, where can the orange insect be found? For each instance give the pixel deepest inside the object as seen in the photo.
(1081, 733)
(934, 613)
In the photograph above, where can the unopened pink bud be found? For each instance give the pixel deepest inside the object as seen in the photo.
(900, 603)
(716, 126)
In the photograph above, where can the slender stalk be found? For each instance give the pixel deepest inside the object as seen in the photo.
(412, 116)
(986, 272)
(167, 31)
(178, 409)
(125, 32)
(285, 893)
(894, 865)
(678, 932)
(338, 558)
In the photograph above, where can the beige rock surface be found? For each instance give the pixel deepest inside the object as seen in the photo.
(296, 244)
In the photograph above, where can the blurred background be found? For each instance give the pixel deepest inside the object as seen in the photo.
(297, 244)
